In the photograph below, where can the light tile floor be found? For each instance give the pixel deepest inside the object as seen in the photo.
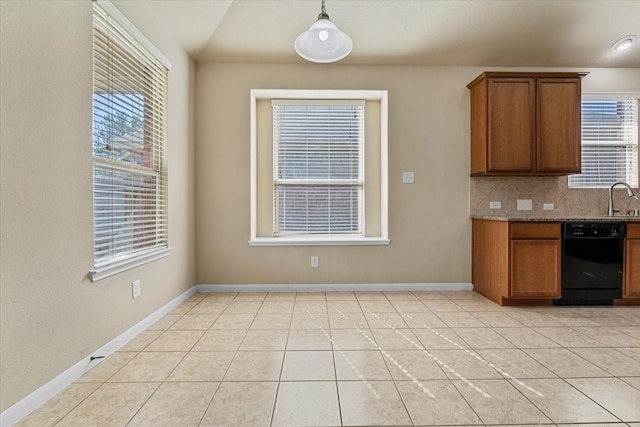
(364, 359)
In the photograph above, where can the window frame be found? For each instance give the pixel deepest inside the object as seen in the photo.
(602, 96)
(154, 167)
(380, 96)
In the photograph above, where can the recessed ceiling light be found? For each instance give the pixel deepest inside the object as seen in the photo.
(623, 44)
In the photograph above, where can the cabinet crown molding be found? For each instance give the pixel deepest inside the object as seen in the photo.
(526, 75)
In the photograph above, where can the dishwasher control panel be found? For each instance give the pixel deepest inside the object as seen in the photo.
(595, 230)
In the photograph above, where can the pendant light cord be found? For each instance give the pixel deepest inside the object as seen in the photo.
(323, 12)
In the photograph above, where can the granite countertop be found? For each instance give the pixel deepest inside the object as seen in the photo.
(558, 219)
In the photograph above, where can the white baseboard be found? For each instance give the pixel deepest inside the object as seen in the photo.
(336, 287)
(28, 404)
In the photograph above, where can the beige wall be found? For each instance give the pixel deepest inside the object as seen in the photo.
(52, 316)
(429, 226)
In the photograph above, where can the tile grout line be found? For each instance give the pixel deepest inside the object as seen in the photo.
(284, 356)
(204, 413)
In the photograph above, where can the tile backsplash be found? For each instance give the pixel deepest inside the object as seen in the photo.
(567, 202)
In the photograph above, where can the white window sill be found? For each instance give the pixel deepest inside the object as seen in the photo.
(100, 273)
(318, 241)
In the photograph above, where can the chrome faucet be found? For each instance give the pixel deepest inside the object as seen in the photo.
(634, 212)
(612, 210)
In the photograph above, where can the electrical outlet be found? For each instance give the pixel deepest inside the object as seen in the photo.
(495, 205)
(408, 178)
(548, 206)
(135, 289)
(314, 261)
(525, 205)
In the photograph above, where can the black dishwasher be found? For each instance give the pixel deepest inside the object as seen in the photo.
(592, 255)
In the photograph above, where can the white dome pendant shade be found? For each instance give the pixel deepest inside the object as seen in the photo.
(323, 42)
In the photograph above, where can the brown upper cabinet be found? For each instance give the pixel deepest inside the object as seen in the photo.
(525, 123)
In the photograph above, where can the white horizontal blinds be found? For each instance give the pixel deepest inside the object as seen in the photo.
(129, 141)
(609, 141)
(318, 167)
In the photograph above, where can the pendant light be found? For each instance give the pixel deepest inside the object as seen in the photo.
(323, 42)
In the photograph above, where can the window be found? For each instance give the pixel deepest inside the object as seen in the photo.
(129, 148)
(609, 141)
(318, 167)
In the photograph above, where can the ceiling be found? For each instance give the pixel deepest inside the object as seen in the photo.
(499, 33)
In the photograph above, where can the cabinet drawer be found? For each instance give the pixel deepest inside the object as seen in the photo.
(530, 230)
(633, 231)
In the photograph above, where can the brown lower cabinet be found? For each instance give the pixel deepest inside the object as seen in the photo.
(631, 288)
(517, 262)
(521, 262)
(535, 268)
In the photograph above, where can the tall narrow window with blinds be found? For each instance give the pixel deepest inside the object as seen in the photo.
(318, 171)
(129, 146)
(609, 141)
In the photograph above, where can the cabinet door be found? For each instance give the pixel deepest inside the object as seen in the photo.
(632, 268)
(535, 268)
(558, 126)
(511, 128)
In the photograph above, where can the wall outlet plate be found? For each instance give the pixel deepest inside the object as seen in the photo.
(408, 178)
(495, 205)
(548, 206)
(525, 205)
(136, 290)
(314, 261)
